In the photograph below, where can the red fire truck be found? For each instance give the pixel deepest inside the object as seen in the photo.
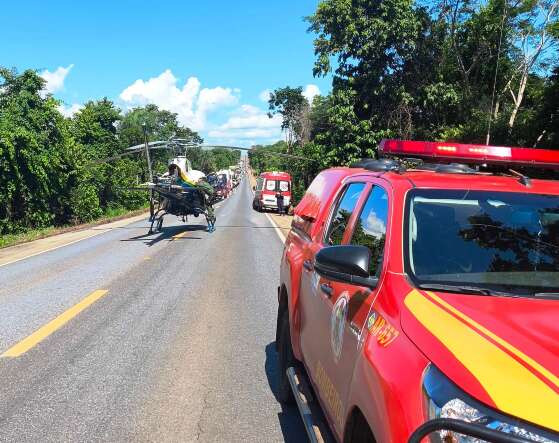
(267, 186)
(419, 297)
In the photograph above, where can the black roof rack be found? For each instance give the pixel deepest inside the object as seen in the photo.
(382, 165)
(389, 164)
(450, 168)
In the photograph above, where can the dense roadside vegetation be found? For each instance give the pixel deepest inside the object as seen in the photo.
(48, 171)
(483, 71)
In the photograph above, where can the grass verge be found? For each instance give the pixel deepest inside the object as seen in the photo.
(35, 234)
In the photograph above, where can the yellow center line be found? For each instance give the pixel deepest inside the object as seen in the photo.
(40, 334)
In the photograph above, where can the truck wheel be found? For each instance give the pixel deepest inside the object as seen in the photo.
(285, 360)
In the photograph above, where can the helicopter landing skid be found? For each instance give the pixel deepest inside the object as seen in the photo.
(211, 224)
(157, 220)
(210, 220)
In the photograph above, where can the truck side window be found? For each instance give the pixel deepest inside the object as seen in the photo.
(344, 209)
(370, 229)
(259, 184)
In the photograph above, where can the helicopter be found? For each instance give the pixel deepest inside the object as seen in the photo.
(181, 190)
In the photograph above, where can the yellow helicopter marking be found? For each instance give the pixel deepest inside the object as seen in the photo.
(181, 235)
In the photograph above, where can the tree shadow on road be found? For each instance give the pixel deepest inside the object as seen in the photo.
(289, 419)
(167, 233)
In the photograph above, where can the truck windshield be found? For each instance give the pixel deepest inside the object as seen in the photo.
(483, 242)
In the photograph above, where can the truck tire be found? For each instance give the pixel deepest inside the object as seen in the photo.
(285, 361)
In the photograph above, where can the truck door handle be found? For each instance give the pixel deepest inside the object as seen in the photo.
(308, 265)
(327, 289)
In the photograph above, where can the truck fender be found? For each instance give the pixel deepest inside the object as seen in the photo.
(290, 278)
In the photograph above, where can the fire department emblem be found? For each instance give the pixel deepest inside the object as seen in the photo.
(337, 324)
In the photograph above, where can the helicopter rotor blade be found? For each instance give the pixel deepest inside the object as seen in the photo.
(176, 143)
(125, 154)
(151, 145)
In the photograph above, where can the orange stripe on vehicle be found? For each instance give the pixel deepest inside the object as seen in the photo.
(542, 371)
(513, 388)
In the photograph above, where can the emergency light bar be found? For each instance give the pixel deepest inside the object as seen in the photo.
(446, 152)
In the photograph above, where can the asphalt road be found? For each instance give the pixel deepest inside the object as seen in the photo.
(179, 348)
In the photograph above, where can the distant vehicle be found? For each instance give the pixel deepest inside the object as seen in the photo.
(226, 181)
(235, 176)
(217, 184)
(267, 185)
(420, 298)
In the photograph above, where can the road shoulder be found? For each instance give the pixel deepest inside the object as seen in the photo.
(22, 251)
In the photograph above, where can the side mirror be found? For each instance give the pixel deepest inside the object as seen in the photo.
(254, 188)
(347, 264)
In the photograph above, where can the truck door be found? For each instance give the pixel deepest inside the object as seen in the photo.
(316, 301)
(351, 304)
(258, 189)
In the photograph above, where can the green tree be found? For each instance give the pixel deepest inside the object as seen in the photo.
(546, 119)
(37, 155)
(158, 125)
(106, 185)
(294, 109)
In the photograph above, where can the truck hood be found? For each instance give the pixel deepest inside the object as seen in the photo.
(502, 351)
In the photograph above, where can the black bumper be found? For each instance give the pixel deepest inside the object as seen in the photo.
(464, 428)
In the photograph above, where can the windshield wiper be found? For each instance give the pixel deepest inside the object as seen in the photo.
(464, 289)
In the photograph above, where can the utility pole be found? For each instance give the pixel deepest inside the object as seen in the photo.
(147, 152)
(151, 202)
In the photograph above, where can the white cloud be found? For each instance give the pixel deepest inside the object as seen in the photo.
(248, 124)
(265, 95)
(191, 103)
(374, 225)
(69, 111)
(310, 92)
(251, 117)
(245, 134)
(55, 79)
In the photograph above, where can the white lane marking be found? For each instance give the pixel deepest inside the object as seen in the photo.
(53, 248)
(99, 232)
(276, 228)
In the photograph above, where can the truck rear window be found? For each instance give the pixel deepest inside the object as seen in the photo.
(277, 185)
(499, 241)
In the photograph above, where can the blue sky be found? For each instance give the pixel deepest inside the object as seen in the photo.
(208, 61)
